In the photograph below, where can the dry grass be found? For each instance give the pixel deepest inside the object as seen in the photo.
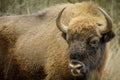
(113, 65)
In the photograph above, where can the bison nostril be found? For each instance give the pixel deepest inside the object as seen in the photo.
(79, 67)
(76, 66)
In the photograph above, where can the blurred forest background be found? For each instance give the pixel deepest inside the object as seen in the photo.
(18, 7)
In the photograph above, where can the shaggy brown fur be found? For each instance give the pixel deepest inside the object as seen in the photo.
(32, 48)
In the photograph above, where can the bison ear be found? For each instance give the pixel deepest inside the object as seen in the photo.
(108, 36)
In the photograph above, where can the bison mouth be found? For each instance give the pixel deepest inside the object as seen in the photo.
(79, 75)
(76, 72)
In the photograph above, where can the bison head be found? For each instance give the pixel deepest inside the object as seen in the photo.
(86, 39)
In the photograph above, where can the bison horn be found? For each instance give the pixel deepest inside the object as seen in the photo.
(109, 22)
(60, 26)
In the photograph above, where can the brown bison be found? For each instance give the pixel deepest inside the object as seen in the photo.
(35, 47)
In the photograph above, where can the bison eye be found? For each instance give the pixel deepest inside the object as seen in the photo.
(94, 42)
